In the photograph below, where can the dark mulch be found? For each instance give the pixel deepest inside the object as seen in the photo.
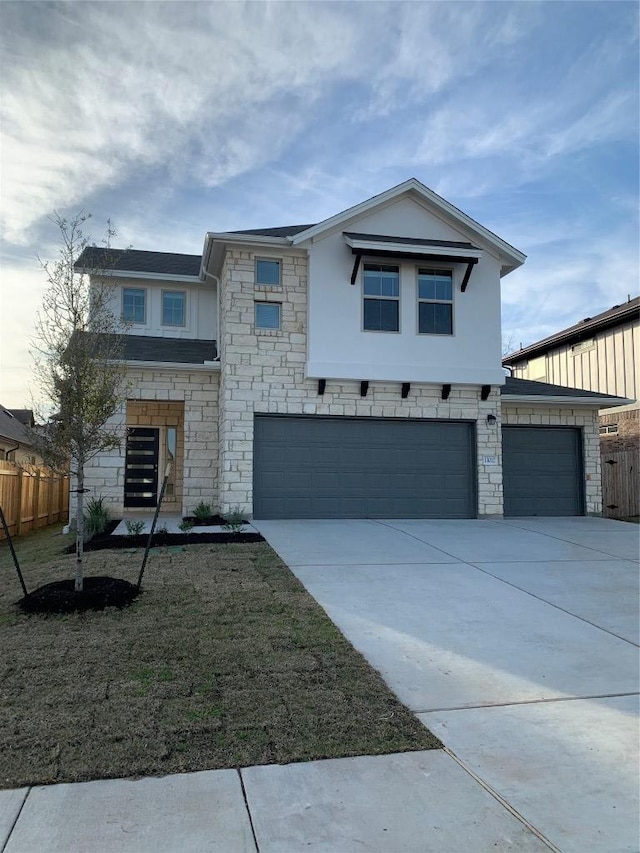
(100, 543)
(97, 593)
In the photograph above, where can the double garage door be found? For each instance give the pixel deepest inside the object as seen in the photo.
(323, 467)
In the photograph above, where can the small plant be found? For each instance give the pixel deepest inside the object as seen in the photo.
(234, 520)
(134, 528)
(203, 511)
(186, 525)
(161, 529)
(97, 517)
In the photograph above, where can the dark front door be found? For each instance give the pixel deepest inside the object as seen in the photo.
(141, 467)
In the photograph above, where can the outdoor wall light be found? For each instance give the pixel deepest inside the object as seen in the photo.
(491, 419)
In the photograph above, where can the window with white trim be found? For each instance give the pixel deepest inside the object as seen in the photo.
(381, 298)
(173, 307)
(268, 315)
(609, 429)
(133, 304)
(268, 272)
(435, 302)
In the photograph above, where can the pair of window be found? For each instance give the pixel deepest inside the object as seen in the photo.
(381, 294)
(268, 315)
(134, 307)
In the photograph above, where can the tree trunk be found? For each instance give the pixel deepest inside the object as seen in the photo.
(79, 529)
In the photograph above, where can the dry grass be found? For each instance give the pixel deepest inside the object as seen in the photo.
(224, 661)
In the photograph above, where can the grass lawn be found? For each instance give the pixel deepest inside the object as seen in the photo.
(224, 661)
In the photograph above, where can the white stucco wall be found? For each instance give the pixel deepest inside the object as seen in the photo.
(201, 308)
(339, 348)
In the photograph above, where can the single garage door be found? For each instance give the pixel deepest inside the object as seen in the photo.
(321, 467)
(542, 471)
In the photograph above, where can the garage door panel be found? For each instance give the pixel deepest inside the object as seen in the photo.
(362, 468)
(542, 471)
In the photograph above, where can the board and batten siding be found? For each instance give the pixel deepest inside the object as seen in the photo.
(608, 363)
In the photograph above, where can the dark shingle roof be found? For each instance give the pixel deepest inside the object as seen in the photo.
(12, 428)
(285, 231)
(25, 416)
(530, 388)
(581, 331)
(95, 258)
(414, 241)
(183, 350)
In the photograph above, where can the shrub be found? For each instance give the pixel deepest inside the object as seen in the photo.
(186, 525)
(234, 520)
(97, 517)
(134, 528)
(203, 511)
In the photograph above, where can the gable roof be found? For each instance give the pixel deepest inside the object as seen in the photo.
(545, 392)
(297, 235)
(612, 317)
(511, 257)
(96, 259)
(12, 428)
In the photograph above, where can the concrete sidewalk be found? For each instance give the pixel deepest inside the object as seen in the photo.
(415, 802)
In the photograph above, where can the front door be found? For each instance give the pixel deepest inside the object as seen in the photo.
(141, 467)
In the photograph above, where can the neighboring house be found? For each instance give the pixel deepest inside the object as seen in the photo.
(15, 439)
(350, 368)
(598, 354)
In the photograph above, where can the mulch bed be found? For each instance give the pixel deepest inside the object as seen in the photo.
(97, 593)
(105, 540)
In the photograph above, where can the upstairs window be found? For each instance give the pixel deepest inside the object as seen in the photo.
(267, 315)
(173, 307)
(381, 294)
(268, 272)
(133, 305)
(435, 302)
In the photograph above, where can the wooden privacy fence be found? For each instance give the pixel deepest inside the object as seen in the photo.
(620, 483)
(32, 496)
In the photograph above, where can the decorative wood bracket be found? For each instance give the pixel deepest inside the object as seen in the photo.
(465, 281)
(406, 387)
(322, 384)
(364, 387)
(446, 390)
(356, 267)
(484, 393)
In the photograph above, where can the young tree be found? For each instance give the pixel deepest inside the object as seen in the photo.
(78, 355)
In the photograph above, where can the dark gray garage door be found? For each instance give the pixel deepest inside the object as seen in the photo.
(542, 471)
(314, 467)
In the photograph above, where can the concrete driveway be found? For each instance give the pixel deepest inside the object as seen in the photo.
(515, 641)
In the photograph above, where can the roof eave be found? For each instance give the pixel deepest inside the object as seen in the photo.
(215, 243)
(571, 335)
(513, 256)
(591, 402)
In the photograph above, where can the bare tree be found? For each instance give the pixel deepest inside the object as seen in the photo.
(78, 355)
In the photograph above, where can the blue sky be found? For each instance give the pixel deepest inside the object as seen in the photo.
(175, 119)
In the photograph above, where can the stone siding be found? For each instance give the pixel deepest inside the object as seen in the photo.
(264, 372)
(515, 414)
(197, 391)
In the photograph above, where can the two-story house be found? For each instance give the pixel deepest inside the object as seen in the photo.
(350, 368)
(599, 354)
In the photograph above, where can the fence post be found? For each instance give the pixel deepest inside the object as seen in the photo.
(36, 502)
(19, 503)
